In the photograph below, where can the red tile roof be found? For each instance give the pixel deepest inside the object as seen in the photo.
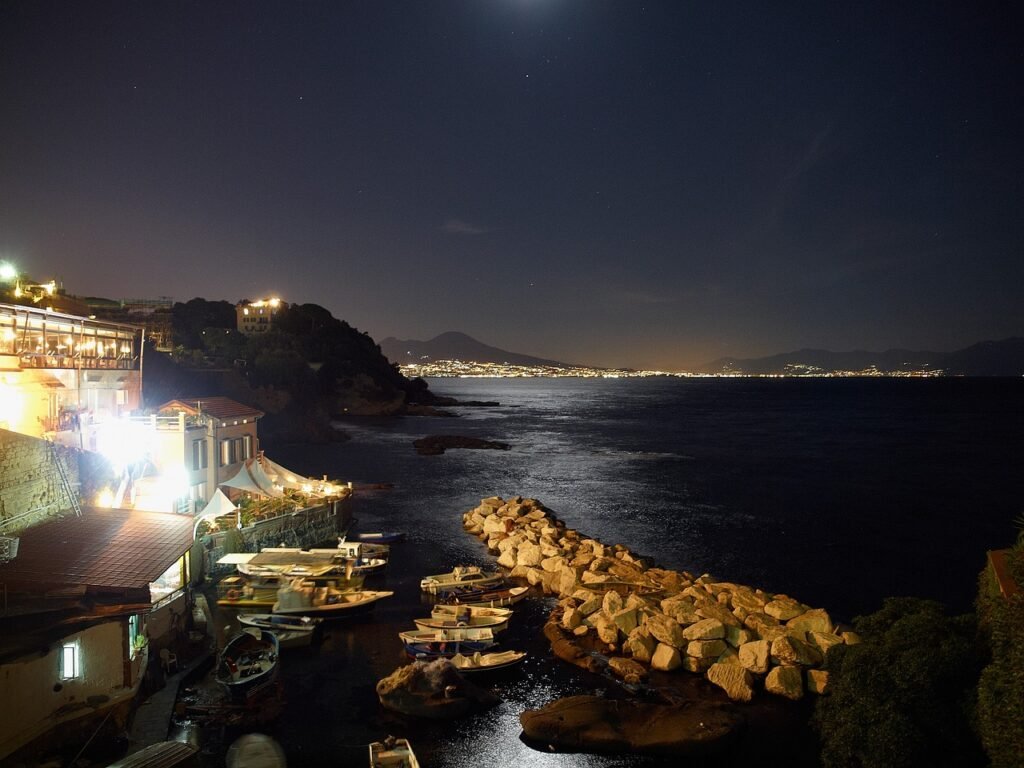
(104, 548)
(218, 407)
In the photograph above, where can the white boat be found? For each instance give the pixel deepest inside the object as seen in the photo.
(306, 599)
(452, 621)
(497, 598)
(291, 631)
(392, 753)
(441, 611)
(486, 662)
(460, 576)
(453, 635)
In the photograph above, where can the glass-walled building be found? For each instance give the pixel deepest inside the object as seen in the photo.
(61, 373)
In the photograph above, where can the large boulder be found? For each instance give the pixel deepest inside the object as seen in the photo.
(814, 620)
(666, 630)
(789, 651)
(640, 645)
(627, 669)
(598, 724)
(756, 656)
(434, 690)
(706, 649)
(784, 609)
(736, 681)
(528, 554)
(785, 681)
(705, 629)
(666, 658)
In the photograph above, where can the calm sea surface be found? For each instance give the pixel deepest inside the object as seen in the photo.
(837, 492)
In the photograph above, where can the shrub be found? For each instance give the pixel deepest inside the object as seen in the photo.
(1001, 688)
(903, 697)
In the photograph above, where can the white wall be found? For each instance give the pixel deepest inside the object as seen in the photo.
(30, 706)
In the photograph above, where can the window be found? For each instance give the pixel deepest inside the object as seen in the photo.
(228, 452)
(136, 635)
(199, 454)
(172, 580)
(69, 662)
(247, 447)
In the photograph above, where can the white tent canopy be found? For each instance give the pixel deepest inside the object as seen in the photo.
(281, 476)
(253, 479)
(219, 506)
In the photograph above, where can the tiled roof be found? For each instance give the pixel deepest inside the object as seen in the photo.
(218, 407)
(105, 548)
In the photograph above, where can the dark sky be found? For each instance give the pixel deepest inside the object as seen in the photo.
(617, 183)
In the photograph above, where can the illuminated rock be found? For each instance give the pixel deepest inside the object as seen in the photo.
(666, 630)
(706, 629)
(785, 681)
(789, 651)
(814, 620)
(735, 681)
(666, 658)
(784, 609)
(597, 724)
(756, 656)
(817, 681)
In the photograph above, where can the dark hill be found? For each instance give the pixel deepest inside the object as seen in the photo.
(987, 358)
(456, 346)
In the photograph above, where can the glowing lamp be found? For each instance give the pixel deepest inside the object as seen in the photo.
(8, 272)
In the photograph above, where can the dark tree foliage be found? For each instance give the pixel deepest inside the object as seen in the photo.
(191, 318)
(903, 697)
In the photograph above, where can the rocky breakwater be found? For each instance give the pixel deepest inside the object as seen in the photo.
(617, 609)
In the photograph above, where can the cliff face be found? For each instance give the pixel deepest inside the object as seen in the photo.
(308, 368)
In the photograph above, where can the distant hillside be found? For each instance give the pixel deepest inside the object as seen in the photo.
(455, 346)
(987, 358)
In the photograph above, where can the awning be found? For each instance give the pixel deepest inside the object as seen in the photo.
(252, 479)
(219, 506)
(283, 477)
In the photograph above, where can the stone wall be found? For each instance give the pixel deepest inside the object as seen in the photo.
(30, 486)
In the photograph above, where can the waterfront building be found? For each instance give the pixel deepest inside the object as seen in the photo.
(210, 437)
(154, 315)
(62, 375)
(89, 595)
(256, 316)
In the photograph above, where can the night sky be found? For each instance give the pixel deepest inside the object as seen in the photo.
(613, 183)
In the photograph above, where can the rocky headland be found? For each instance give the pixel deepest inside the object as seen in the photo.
(621, 615)
(435, 445)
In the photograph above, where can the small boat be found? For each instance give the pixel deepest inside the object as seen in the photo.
(380, 537)
(443, 611)
(291, 631)
(460, 576)
(445, 649)
(493, 623)
(455, 634)
(496, 598)
(487, 662)
(305, 598)
(257, 590)
(248, 663)
(392, 753)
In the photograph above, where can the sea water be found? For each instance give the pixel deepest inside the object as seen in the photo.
(838, 492)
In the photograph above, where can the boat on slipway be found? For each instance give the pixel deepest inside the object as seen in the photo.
(249, 663)
(291, 631)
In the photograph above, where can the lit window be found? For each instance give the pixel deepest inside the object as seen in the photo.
(69, 669)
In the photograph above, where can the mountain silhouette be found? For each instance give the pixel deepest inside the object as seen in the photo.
(456, 346)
